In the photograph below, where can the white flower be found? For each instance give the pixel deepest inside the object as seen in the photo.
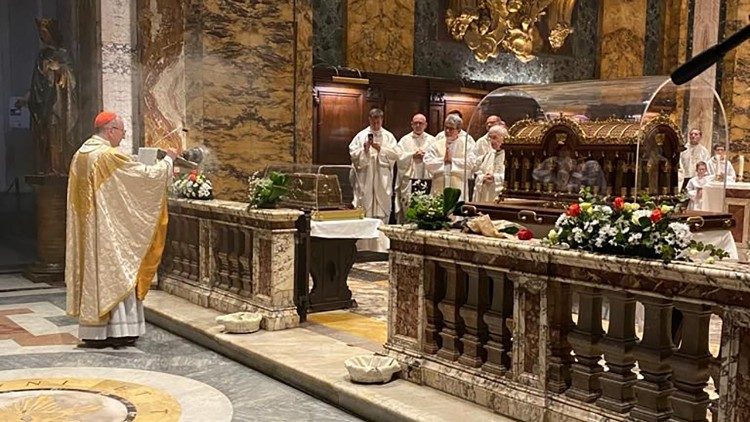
(635, 238)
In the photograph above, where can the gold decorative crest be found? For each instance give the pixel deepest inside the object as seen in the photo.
(487, 26)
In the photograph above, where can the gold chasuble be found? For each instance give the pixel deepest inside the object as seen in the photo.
(116, 229)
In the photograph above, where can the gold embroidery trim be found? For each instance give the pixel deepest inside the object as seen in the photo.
(150, 262)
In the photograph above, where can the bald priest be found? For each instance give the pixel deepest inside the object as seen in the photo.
(116, 229)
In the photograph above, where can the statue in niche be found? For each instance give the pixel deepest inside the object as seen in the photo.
(53, 103)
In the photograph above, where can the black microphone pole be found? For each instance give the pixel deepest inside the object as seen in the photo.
(706, 59)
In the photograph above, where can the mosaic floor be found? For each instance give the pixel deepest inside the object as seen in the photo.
(44, 377)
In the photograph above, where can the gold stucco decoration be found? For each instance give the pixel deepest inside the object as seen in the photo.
(487, 26)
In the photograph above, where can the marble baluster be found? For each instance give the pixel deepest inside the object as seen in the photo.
(617, 344)
(184, 229)
(194, 236)
(234, 259)
(690, 365)
(246, 271)
(434, 291)
(560, 324)
(453, 324)
(584, 338)
(472, 313)
(499, 343)
(221, 257)
(652, 392)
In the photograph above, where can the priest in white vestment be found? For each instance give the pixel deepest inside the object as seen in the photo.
(463, 135)
(411, 163)
(719, 167)
(450, 159)
(490, 174)
(694, 154)
(115, 234)
(374, 152)
(696, 184)
(482, 146)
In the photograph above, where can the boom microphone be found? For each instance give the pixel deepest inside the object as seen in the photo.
(706, 59)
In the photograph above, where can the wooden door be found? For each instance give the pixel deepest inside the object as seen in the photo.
(339, 116)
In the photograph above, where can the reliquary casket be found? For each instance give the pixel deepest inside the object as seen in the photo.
(547, 163)
(324, 191)
(557, 158)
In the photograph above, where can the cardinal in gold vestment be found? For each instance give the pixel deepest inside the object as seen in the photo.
(116, 230)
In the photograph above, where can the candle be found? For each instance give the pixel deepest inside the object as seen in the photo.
(741, 174)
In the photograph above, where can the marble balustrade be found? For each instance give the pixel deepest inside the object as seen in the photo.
(221, 255)
(492, 321)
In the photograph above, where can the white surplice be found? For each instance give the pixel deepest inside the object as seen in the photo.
(690, 158)
(374, 172)
(408, 167)
(454, 174)
(696, 201)
(717, 166)
(493, 163)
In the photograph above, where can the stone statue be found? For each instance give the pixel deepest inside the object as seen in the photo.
(53, 103)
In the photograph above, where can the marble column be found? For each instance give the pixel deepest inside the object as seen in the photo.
(675, 35)
(623, 37)
(161, 25)
(705, 35)
(256, 85)
(118, 65)
(236, 75)
(736, 83)
(380, 36)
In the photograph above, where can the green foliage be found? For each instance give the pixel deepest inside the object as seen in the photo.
(432, 212)
(268, 191)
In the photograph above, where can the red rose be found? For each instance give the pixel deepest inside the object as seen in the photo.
(655, 215)
(525, 234)
(192, 177)
(619, 203)
(574, 210)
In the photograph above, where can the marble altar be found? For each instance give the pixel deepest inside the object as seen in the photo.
(491, 321)
(222, 255)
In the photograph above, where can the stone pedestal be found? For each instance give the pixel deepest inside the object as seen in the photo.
(51, 205)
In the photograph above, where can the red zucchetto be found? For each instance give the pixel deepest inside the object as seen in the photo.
(103, 118)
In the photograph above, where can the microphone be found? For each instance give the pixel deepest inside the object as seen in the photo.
(695, 66)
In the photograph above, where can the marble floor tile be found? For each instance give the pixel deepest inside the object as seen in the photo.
(204, 385)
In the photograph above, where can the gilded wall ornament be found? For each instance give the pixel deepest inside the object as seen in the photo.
(487, 26)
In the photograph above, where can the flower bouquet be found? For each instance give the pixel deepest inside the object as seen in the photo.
(432, 212)
(194, 185)
(266, 192)
(625, 228)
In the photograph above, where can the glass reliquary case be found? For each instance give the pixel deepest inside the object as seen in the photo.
(615, 137)
(326, 191)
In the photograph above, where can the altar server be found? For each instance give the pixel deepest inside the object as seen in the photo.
(694, 154)
(696, 184)
(718, 165)
(115, 234)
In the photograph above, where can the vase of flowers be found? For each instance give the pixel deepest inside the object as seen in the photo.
(432, 212)
(646, 230)
(194, 185)
(266, 192)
